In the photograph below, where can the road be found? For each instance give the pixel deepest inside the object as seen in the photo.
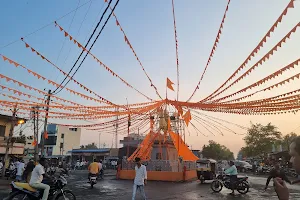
(111, 189)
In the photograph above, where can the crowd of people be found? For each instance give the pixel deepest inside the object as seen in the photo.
(35, 173)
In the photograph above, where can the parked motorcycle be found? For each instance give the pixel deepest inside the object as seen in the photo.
(93, 180)
(52, 171)
(10, 174)
(65, 172)
(57, 191)
(263, 170)
(241, 185)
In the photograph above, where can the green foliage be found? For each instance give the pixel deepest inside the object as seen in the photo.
(89, 146)
(216, 151)
(260, 139)
(287, 139)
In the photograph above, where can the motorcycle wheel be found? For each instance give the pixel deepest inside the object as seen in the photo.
(216, 186)
(68, 195)
(92, 185)
(17, 195)
(243, 187)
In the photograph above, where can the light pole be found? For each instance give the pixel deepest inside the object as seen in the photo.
(99, 140)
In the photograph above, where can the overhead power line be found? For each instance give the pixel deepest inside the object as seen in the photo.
(56, 90)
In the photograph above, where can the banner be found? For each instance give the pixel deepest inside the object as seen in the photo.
(99, 62)
(212, 50)
(256, 49)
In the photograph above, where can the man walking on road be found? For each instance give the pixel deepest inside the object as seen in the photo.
(20, 170)
(277, 172)
(140, 179)
(279, 185)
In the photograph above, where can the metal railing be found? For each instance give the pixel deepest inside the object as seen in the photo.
(161, 165)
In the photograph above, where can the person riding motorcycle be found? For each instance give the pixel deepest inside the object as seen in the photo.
(232, 172)
(93, 168)
(37, 176)
(28, 170)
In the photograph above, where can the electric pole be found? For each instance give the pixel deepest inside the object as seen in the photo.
(129, 124)
(116, 138)
(45, 124)
(11, 131)
(36, 131)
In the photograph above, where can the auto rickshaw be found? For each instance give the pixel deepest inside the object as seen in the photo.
(206, 169)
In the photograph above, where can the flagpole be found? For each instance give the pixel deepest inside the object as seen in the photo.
(166, 89)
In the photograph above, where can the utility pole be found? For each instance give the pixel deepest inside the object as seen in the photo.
(11, 131)
(99, 140)
(36, 131)
(129, 124)
(116, 137)
(45, 124)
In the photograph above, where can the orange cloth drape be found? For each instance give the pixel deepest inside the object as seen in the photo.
(182, 148)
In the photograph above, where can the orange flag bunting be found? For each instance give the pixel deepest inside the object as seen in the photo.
(187, 117)
(169, 84)
(46, 135)
(34, 143)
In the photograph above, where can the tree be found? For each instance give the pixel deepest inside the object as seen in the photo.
(260, 139)
(89, 146)
(287, 139)
(216, 151)
(245, 152)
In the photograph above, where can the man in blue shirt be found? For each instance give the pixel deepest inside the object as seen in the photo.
(232, 172)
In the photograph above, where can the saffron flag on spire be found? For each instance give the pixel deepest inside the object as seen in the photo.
(169, 84)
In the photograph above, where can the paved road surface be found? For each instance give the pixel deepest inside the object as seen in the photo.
(110, 189)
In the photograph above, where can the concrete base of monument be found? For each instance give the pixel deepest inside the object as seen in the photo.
(160, 175)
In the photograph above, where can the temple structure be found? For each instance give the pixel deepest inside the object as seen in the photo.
(165, 152)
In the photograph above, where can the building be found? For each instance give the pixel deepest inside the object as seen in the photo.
(105, 154)
(61, 140)
(133, 140)
(5, 126)
(130, 144)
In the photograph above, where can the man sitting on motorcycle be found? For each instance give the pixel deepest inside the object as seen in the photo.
(232, 172)
(37, 176)
(93, 168)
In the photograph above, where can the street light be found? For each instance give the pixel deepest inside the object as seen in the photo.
(21, 121)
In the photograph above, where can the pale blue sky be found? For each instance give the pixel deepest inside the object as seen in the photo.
(149, 27)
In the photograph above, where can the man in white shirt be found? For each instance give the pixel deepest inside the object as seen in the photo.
(140, 179)
(77, 165)
(1, 164)
(17, 163)
(37, 176)
(20, 170)
(100, 164)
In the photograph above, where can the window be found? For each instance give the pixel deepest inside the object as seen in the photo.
(62, 135)
(2, 131)
(73, 129)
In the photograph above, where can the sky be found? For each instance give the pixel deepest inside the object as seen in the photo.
(149, 27)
